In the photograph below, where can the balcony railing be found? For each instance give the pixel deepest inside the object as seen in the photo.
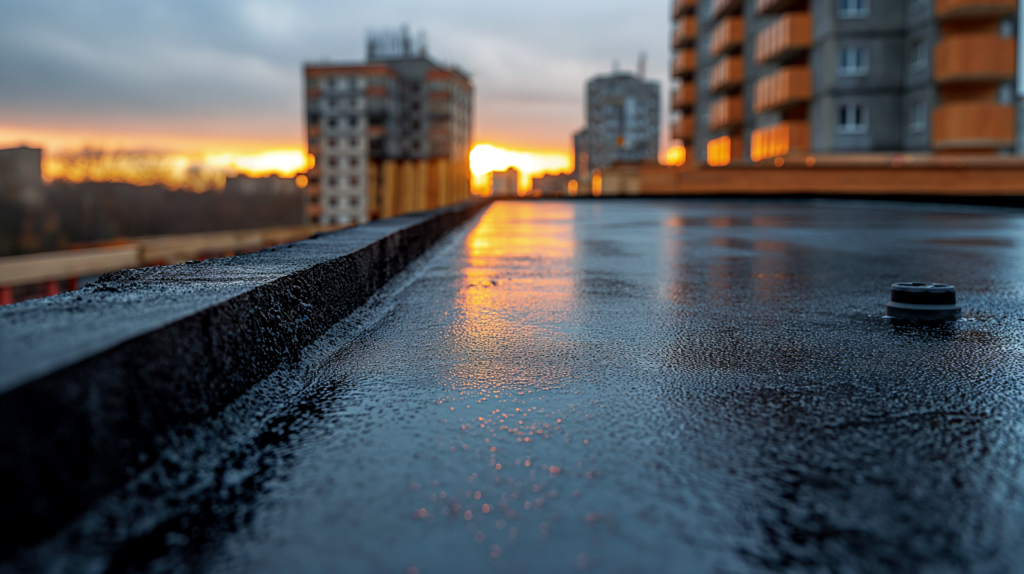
(684, 97)
(770, 6)
(727, 35)
(686, 32)
(727, 74)
(685, 63)
(974, 9)
(683, 129)
(726, 112)
(972, 126)
(971, 58)
(722, 7)
(790, 34)
(779, 139)
(786, 86)
(683, 7)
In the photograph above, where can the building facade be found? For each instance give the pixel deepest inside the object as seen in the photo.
(760, 79)
(387, 136)
(505, 183)
(623, 121)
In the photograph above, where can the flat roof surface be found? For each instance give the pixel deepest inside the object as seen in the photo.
(624, 385)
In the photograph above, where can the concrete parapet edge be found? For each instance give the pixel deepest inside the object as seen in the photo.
(80, 425)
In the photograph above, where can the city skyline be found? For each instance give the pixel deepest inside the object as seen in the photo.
(225, 79)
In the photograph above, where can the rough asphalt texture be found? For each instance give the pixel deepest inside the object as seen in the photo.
(94, 383)
(621, 386)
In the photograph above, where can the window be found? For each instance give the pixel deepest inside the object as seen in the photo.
(333, 201)
(353, 121)
(332, 142)
(853, 119)
(919, 118)
(354, 162)
(332, 182)
(919, 56)
(853, 61)
(332, 122)
(332, 161)
(354, 182)
(851, 9)
(354, 201)
(353, 142)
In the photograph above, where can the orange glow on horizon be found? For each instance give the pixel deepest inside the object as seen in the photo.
(194, 172)
(487, 158)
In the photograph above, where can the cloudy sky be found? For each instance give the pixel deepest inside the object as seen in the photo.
(225, 75)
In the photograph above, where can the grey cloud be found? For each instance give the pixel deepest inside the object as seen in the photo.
(240, 60)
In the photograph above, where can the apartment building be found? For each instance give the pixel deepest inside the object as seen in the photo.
(623, 120)
(505, 183)
(387, 136)
(760, 79)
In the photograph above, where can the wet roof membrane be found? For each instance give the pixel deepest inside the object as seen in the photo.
(645, 385)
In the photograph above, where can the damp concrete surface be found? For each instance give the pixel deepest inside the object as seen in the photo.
(621, 386)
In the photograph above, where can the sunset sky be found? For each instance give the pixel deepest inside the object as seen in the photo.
(220, 81)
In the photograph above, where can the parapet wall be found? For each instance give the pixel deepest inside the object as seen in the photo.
(92, 381)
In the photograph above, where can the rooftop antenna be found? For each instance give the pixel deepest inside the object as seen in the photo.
(422, 41)
(406, 42)
(641, 65)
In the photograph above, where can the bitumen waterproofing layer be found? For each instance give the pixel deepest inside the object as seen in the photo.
(638, 385)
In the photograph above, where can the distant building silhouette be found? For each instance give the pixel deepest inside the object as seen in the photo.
(505, 183)
(553, 185)
(623, 121)
(21, 176)
(388, 136)
(270, 185)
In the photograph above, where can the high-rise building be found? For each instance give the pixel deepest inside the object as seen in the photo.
(758, 79)
(623, 120)
(387, 136)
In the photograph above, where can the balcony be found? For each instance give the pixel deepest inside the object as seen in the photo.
(785, 87)
(974, 9)
(727, 74)
(722, 7)
(682, 7)
(726, 112)
(684, 97)
(685, 63)
(779, 139)
(773, 6)
(686, 32)
(727, 35)
(683, 129)
(973, 58)
(972, 126)
(789, 35)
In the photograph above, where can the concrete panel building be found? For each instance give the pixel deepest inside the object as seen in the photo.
(760, 79)
(387, 136)
(623, 121)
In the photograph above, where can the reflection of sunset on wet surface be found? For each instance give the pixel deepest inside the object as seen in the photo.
(626, 385)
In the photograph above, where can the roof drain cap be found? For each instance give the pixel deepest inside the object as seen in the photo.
(932, 302)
